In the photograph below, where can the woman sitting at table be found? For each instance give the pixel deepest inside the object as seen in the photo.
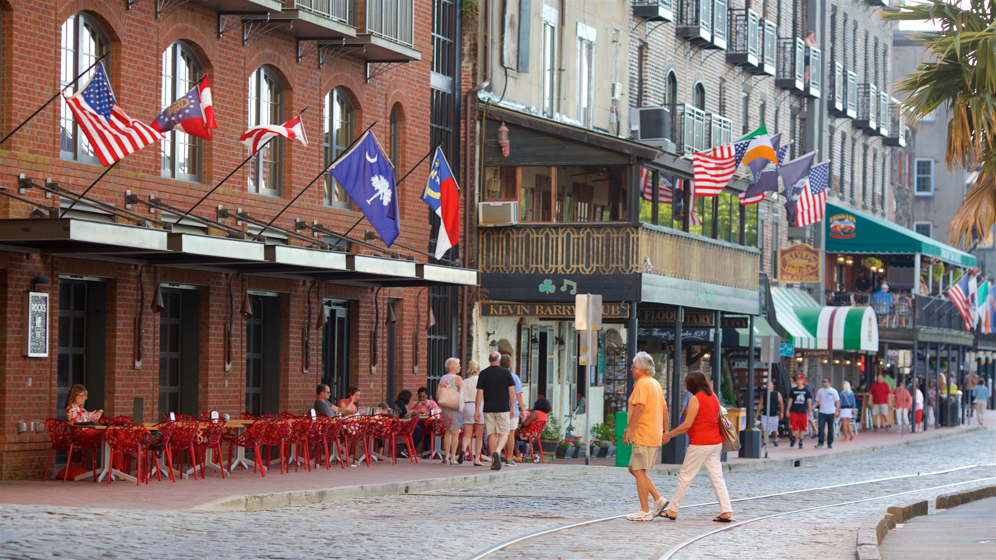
(75, 413)
(350, 401)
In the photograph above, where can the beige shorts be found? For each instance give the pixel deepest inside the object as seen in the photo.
(496, 422)
(513, 424)
(880, 410)
(643, 457)
(980, 407)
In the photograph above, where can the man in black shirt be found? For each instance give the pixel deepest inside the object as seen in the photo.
(862, 283)
(322, 404)
(800, 409)
(496, 388)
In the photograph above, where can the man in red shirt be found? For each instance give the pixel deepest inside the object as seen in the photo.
(880, 402)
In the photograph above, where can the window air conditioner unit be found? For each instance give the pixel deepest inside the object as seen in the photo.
(499, 213)
(653, 126)
(616, 90)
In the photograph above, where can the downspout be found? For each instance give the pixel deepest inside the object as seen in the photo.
(470, 187)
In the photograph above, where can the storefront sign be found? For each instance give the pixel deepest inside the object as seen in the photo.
(665, 316)
(842, 226)
(552, 311)
(812, 353)
(688, 336)
(799, 263)
(35, 338)
(786, 349)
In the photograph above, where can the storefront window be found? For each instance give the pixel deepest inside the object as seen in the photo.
(561, 194)
(535, 194)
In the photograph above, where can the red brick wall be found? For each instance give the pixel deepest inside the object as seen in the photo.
(30, 75)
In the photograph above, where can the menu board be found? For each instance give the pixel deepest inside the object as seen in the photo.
(616, 373)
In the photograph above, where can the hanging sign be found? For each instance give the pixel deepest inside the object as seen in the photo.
(799, 263)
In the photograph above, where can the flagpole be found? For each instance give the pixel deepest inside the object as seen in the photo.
(49, 102)
(106, 171)
(322, 172)
(229, 176)
(396, 184)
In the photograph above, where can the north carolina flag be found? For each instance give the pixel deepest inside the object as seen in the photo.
(193, 113)
(441, 195)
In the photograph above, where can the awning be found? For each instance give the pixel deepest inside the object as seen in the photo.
(815, 327)
(740, 338)
(848, 231)
(786, 300)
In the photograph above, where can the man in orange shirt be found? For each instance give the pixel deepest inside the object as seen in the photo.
(648, 418)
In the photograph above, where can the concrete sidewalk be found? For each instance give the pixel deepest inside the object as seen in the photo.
(248, 491)
(966, 532)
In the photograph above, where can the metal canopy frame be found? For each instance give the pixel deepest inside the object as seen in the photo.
(51, 187)
(159, 204)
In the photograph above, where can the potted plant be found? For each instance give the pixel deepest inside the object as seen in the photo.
(550, 438)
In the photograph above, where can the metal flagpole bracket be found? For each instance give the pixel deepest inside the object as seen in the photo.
(379, 68)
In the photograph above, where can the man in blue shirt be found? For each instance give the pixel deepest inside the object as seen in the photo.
(882, 302)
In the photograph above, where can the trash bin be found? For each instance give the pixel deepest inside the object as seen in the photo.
(623, 451)
(950, 406)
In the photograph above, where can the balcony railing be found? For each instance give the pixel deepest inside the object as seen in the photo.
(769, 48)
(835, 95)
(745, 42)
(906, 311)
(617, 250)
(884, 118)
(851, 94)
(692, 133)
(338, 10)
(654, 10)
(720, 130)
(391, 19)
(815, 85)
(867, 118)
(791, 65)
(897, 126)
(720, 23)
(695, 21)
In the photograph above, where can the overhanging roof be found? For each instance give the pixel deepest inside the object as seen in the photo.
(69, 236)
(849, 231)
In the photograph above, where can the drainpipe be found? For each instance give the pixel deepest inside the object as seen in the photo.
(470, 187)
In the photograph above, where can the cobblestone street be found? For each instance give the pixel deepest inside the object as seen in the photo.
(460, 523)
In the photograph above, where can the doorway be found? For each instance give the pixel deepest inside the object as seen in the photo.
(335, 348)
(82, 339)
(263, 355)
(179, 351)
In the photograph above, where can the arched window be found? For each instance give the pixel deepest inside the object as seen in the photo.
(671, 93)
(266, 106)
(395, 136)
(181, 153)
(698, 96)
(339, 119)
(83, 42)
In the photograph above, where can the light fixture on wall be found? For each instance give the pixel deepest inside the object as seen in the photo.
(560, 341)
(40, 280)
(246, 309)
(849, 261)
(840, 258)
(492, 343)
(391, 317)
(705, 356)
(847, 362)
(503, 139)
(799, 359)
(157, 300)
(836, 361)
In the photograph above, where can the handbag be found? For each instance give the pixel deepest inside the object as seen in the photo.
(731, 439)
(448, 397)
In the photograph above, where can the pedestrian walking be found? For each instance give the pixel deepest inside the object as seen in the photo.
(902, 402)
(473, 431)
(917, 407)
(981, 395)
(646, 421)
(705, 443)
(800, 409)
(847, 405)
(511, 453)
(880, 402)
(452, 417)
(828, 404)
(772, 414)
(495, 393)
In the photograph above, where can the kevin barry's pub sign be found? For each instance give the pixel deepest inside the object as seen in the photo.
(618, 311)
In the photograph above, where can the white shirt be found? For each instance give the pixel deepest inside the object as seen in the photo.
(827, 398)
(918, 400)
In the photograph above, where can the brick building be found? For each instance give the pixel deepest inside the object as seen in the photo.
(345, 66)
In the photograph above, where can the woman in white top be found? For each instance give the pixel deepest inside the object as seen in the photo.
(471, 428)
(917, 408)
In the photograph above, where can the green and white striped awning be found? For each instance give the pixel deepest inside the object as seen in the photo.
(786, 300)
(812, 326)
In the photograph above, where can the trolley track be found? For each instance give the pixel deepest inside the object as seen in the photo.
(686, 542)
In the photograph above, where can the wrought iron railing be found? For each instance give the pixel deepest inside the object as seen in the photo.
(769, 47)
(815, 71)
(835, 97)
(391, 19)
(867, 117)
(791, 64)
(897, 126)
(745, 44)
(905, 311)
(692, 132)
(720, 15)
(720, 130)
(654, 10)
(695, 19)
(617, 250)
(338, 10)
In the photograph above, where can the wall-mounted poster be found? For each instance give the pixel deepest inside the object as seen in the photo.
(35, 339)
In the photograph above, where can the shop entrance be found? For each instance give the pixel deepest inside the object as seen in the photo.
(179, 351)
(82, 340)
(335, 348)
(263, 355)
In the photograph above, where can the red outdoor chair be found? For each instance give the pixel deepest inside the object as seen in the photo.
(433, 427)
(62, 440)
(253, 437)
(132, 439)
(355, 430)
(277, 431)
(530, 434)
(302, 434)
(117, 420)
(403, 429)
(180, 436)
(382, 428)
(334, 435)
(178, 417)
(83, 439)
(320, 437)
(210, 436)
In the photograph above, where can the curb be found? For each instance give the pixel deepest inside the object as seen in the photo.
(260, 502)
(873, 529)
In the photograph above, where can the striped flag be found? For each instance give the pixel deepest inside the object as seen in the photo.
(982, 306)
(714, 169)
(959, 296)
(111, 132)
(256, 136)
(764, 174)
(812, 203)
(795, 176)
(647, 186)
(753, 149)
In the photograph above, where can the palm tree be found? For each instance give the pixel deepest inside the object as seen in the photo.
(962, 78)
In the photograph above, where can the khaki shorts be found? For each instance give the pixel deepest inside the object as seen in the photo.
(496, 422)
(513, 424)
(880, 410)
(643, 457)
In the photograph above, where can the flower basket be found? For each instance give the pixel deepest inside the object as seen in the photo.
(562, 451)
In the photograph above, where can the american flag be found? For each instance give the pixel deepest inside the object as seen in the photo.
(714, 169)
(647, 187)
(257, 136)
(959, 296)
(744, 199)
(111, 132)
(812, 204)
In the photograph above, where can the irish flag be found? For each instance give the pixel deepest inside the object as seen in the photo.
(754, 146)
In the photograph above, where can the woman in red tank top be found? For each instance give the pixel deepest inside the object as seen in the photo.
(705, 443)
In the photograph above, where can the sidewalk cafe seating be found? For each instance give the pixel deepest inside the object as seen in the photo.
(62, 440)
(530, 434)
(135, 440)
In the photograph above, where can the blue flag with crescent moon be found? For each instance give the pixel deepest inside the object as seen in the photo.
(368, 177)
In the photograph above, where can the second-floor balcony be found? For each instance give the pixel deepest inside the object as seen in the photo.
(867, 114)
(690, 129)
(769, 47)
(720, 130)
(695, 21)
(337, 10)
(391, 19)
(791, 65)
(654, 10)
(623, 249)
(814, 71)
(896, 135)
(744, 47)
(835, 90)
(902, 311)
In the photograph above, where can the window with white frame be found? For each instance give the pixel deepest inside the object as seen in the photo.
(181, 152)
(83, 42)
(338, 122)
(549, 67)
(924, 228)
(585, 76)
(266, 106)
(923, 170)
